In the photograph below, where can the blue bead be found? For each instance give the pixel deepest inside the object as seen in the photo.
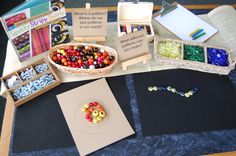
(217, 57)
(181, 93)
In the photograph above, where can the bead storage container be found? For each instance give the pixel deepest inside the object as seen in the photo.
(82, 58)
(30, 82)
(134, 17)
(194, 56)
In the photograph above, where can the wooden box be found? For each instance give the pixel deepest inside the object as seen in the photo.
(131, 15)
(22, 82)
(182, 62)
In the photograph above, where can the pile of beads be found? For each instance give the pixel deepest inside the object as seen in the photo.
(33, 87)
(194, 53)
(217, 57)
(41, 68)
(169, 49)
(27, 74)
(85, 57)
(94, 112)
(174, 90)
(13, 81)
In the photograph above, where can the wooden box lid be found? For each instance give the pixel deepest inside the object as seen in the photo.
(134, 12)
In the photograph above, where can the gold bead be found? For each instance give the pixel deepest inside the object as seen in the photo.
(150, 88)
(86, 106)
(169, 88)
(102, 114)
(95, 120)
(95, 113)
(84, 109)
(186, 95)
(154, 88)
(99, 118)
(190, 93)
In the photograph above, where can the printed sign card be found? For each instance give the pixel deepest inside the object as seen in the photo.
(89, 22)
(35, 27)
(132, 45)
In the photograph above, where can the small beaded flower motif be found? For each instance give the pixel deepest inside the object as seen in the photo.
(174, 90)
(94, 112)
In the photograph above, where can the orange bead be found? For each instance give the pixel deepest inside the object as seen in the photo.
(100, 109)
(91, 110)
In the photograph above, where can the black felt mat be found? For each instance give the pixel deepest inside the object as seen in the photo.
(40, 123)
(212, 108)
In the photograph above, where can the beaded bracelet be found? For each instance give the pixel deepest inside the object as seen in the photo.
(94, 112)
(174, 90)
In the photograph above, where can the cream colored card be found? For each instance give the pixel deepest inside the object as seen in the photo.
(89, 22)
(132, 45)
(88, 136)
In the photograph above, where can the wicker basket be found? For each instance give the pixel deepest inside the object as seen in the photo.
(193, 65)
(100, 71)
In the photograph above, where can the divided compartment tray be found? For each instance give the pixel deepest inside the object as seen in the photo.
(180, 62)
(22, 83)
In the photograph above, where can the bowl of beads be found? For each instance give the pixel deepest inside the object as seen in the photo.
(194, 56)
(83, 58)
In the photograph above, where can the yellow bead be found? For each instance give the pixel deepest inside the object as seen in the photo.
(86, 106)
(169, 88)
(84, 109)
(99, 118)
(75, 47)
(95, 113)
(95, 120)
(173, 90)
(102, 114)
(62, 51)
(58, 50)
(186, 95)
(190, 92)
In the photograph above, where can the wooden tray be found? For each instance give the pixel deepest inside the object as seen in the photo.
(193, 65)
(19, 102)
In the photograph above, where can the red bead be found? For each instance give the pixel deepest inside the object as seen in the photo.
(103, 57)
(71, 47)
(95, 103)
(90, 119)
(90, 104)
(105, 54)
(87, 116)
(54, 58)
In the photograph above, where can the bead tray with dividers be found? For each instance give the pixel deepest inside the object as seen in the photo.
(194, 56)
(30, 82)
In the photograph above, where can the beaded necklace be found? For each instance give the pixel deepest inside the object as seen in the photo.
(187, 94)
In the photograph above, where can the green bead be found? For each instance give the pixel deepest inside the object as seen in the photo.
(194, 53)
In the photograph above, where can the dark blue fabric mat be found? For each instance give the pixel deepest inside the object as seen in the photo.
(40, 123)
(163, 112)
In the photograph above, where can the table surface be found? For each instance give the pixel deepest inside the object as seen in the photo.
(181, 144)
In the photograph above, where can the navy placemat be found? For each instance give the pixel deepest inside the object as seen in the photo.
(213, 107)
(40, 124)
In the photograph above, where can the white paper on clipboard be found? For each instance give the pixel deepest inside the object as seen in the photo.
(182, 22)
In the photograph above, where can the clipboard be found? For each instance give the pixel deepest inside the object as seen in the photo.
(182, 22)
